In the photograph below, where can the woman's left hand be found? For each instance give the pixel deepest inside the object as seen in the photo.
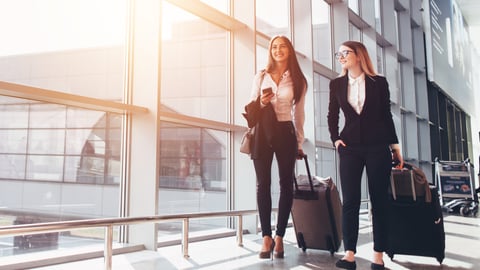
(300, 154)
(397, 157)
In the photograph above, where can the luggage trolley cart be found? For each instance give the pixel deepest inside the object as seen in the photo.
(455, 182)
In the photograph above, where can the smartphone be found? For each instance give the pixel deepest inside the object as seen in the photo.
(267, 90)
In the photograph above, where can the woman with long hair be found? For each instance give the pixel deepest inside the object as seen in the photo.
(368, 140)
(279, 88)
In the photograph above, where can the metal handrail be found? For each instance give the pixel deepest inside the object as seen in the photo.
(108, 224)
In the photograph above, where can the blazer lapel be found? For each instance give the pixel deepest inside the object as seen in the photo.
(344, 95)
(369, 87)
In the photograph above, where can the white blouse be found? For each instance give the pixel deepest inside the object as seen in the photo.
(356, 92)
(282, 101)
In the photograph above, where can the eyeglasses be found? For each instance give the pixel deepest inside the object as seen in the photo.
(343, 54)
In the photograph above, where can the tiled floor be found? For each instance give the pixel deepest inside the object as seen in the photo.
(462, 252)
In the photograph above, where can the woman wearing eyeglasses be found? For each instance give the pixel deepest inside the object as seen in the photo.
(367, 140)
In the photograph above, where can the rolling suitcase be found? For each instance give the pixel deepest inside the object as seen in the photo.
(316, 214)
(415, 218)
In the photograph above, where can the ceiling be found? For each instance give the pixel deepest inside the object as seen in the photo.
(471, 12)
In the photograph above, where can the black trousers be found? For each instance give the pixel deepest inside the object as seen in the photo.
(284, 145)
(377, 160)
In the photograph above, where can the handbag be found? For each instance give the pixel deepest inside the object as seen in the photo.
(246, 144)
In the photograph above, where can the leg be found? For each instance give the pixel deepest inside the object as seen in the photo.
(351, 169)
(264, 199)
(285, 146)
(286, 150)
(379, 167)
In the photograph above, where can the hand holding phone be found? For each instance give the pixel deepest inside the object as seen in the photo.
(267, 91)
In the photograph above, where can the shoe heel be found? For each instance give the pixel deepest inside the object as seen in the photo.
(267, 254)
(272, 247)
(279, 254)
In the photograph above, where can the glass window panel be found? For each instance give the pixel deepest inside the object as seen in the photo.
(194, 65)
(378, 16)
(47, 116)
(321, 98)
(192, 158)
(380, 60)
(12, 166)
(322, 42)
(46, 141)
(397, 29)
(353, 5)
(13, 141)
(326, 163)
(354, 32)
(221, 5)
(77, 141)
(273, 17)
(74, 46)
(262, 58)
(14, 113)
(193, 175)
(49, 168)
(81, 118)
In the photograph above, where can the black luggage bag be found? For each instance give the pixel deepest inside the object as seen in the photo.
(316, 214)
(415, 220)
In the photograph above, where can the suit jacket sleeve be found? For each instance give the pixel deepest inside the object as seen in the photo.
(333, 113)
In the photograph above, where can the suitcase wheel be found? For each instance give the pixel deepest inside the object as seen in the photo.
(390, 255)
(301, 242)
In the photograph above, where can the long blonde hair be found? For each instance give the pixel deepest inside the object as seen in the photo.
(362, 54)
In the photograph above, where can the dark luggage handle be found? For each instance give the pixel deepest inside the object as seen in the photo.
(310, 181)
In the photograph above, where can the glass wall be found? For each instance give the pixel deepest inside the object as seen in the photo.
(322, 34)
(194, 65)
(60, 162)
(325, 152)
(378, 16)
(75, 46)
(279, 24)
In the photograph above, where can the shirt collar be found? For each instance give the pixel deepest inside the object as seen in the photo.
(359, 79)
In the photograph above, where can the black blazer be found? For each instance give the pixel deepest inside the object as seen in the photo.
(264, 120)
(374, 125)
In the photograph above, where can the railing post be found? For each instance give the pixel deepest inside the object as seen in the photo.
(185, 238)
(240, 231)
(108, 247)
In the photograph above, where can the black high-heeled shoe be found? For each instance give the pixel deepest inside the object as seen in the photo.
(267, 254)
(344, 264)
(376, 266)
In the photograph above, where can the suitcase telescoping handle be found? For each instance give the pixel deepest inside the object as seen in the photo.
(310, 181)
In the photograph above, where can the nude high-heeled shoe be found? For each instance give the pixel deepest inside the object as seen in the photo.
(278, 252)
(267, 248)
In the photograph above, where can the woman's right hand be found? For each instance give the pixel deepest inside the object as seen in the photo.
(266, 97)
(338, 143)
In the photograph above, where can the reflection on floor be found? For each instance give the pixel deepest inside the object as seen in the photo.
(462, 252)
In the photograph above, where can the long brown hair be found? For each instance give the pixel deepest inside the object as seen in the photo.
(298, 78)
(362, 54)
